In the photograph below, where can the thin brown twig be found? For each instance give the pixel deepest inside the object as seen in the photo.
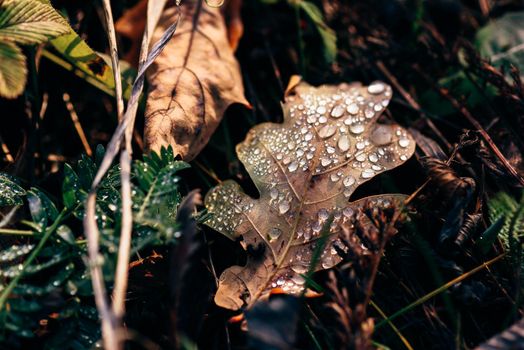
(399, 87)
(76, 122)
(115, 62)
(109, 323)
(412, 196)
(125, 126)
(45, 104)
(484, 7)
(8, 157)
(138, 139)
(464, 111)
(411, 101)
(208, 172)
(121, 272)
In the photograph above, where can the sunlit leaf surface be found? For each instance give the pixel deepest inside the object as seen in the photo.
(305, 170)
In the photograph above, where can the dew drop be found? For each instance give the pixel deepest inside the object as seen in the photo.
(308, 136)
(349, 181)
(323, 214)
(373, 158)
(328, 262)
(357, 128)
(321, 109)
(325, 161)
(353, 108)
(283, 207)
(337, 111)
(274, 233)
(360, 157)
(299, 280)
(292, 166)
(376, 88)
(317, 226)
(299, 268)
(307, 235)
(273, 193)
(334, 177)
(347, 212)
(381, 135)
(369, 113)
(327, 131)
(343, 143)
(403, 157)
(367, 173)
(403, 143)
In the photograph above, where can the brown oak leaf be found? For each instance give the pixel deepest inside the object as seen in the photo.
(192, 82)
(305, 170)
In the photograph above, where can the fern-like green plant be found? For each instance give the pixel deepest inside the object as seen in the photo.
(45, 284)
(510, 213)
(23, 22)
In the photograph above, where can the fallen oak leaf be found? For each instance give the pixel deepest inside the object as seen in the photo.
(305, 170)
(192, 82)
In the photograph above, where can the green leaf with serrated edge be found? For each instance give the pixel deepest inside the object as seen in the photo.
(305, 169)
(78, 53)
(30, 22)
(13, 70)
(504, 207)
(11, 192)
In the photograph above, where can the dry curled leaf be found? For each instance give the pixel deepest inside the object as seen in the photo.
(192, 82)
(305, 170)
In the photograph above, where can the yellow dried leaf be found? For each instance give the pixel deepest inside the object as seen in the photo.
(305, 170)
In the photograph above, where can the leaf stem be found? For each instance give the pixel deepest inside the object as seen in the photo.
(393, 327)
(9, 231)
(438, 291)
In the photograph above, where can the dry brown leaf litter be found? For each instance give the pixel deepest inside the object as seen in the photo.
(193, 81)
(305, 170)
